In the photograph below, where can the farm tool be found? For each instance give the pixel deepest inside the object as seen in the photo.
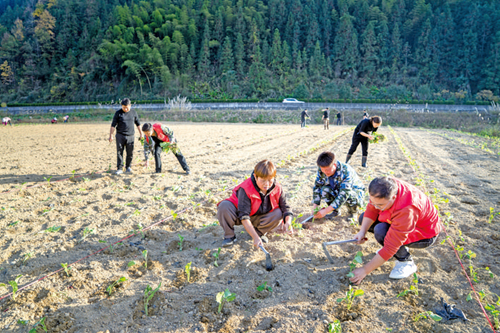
(269, 262)
(334, 243)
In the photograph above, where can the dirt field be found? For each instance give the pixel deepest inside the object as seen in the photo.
(305, 286)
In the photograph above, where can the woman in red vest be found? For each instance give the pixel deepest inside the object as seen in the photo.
(400, 216)
(258, 204)
(156, 134)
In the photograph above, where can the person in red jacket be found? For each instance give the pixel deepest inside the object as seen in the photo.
(258, 204)
(401, 217)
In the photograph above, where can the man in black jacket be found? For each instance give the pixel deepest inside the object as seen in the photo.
(303, 116)
(123, 122)
(326, 118)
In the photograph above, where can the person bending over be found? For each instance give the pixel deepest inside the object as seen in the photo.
(400, 216)
(336, 184)
(362, 134)
(155, 136)
(259, 204)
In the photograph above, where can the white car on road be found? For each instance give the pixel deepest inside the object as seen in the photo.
(291, 100)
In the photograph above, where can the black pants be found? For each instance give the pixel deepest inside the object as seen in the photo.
(180, 158)
(356, 140)
(124, 142)
(303, 123)
(380, 230)
(339, 121)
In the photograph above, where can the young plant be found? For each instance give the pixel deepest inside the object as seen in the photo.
(66, 269)
(188, 271)
(264, 286)
(145, 255)
(109, 289)
(335, 327)
(52, 229)
(494, 313)
(216, 255)
(27, 256)
(224, 296)
(148, 295)
(111, 246)
(204, 226)
(492, 214)
(413, 287)
(427, 314)
(72, 175)
(358, 259)
(39, 323)
(181, 240)
(87, 232)
(349, 297)
(131, 263)
(48, 179)
(14, 286)
(294, 224)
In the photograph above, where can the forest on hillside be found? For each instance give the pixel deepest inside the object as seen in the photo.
(101, 50)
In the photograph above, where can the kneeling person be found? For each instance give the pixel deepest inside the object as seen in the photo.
(337, 183)
(155, 135)
(258, 204)
(400, 216)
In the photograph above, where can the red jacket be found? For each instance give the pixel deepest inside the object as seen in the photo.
(413, 217)
(159, 133)
(254, 196)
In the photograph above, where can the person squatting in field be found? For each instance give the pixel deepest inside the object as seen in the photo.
(401, 217)
(54, 120)
(123, 121)
(362, 134)
(66, 118)
(156, 134)
(6, 121)
(336, 184)
(259, 204)
(326, 118)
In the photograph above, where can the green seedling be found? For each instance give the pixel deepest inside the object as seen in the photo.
(139, 230)
(188, 271)
(145, 255)
(413, 287)
(47, 210)
(174, 215)
(52, 229)
(136, 212)
(130, 203)
(264, 286)
(39, 323)
(14, 286)
(223, 297)
(494, 313)
(295, 225)
(111, 246)
(315, 211)
(148, 295)
(335, 327)
(181, 240)
(86, 179)
(492, 215)
(216, 255)
(27, 256)
(349, 296)
(66, 269)
(87, 232)
(23, 322)
(204, 226)
(72, 174)
(157, 197)
(427, 314)
(131, 263)
(48, 179)
(358, 259)
(109, 289)
(10, 225)
(176, 188)
(378, 138)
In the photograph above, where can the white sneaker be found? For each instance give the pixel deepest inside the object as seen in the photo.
(403, 269)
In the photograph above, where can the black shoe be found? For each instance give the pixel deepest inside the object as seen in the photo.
(228, 241)
(332, 214)
(264, 239)
(188, 172)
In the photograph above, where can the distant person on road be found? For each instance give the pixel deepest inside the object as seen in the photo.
(326, 118)
(6, 121)
(366, 115)
(123, 122)
(259, 204)
(54, 120)
(336, 184)
(66, 118)
(362, 134)
(400, 216)
(339, 118)
(154, 136)
(303, 116)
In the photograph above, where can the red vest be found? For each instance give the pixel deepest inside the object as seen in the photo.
(159, 133)
(254, 196)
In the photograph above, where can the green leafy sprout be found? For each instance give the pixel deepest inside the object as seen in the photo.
(335, 327)
(188, 271)
(111, 246)
(87, 232)
(427, 314)
(131, 263)
(216, 255)
(145, 255)
(223, 297)
(109, 289)
(66, 268)
(148, 295)
(264, 286)
(349, 296)
(492, 215)
(413, 287)
(39, 323)
(358, 259)
(14, 285)
(181, 240)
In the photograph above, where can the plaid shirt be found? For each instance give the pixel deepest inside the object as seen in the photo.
(344, 186)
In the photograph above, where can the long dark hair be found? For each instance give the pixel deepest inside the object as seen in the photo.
(376, 119)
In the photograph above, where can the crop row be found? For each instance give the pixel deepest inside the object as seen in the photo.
(471, 143)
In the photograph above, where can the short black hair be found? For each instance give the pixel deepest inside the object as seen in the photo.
(376, 119)
(383, 187)
(147, 127)
(126, 101)
(326, 159)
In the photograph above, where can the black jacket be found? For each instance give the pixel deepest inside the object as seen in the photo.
(366, 126)
(124, 122)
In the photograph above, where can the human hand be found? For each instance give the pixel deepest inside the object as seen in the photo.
(257, 242)
(287, 227)
(359, 275)
(360, 237)
(371, 137)
(320, 214)
(110, 138)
